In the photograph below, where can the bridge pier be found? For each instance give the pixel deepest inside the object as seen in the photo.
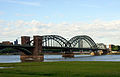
(37, 55)
(31, 58)
(69, 55)
(97, 53)
(105, 52)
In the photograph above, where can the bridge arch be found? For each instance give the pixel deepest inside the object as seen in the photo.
(80, 42)
(53, 40)
(15, 49)
(101, 46)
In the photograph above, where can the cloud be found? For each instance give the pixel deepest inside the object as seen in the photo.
(47, 17)
(24, 2)
(1, 13)
(107, 32)
(25, 15)
(90, 6)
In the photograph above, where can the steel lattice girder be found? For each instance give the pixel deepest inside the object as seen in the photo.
(18, 49)
(72, 42)
(62, 41)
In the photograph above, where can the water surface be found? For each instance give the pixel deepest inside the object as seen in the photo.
(52, 58)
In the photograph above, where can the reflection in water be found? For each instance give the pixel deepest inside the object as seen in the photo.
(52, 58)
(9, 58)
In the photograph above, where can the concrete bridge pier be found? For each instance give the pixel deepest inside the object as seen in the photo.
(37, 55)
(68, 53)
(105, 52)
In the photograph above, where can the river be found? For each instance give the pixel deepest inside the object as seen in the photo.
(52, 58)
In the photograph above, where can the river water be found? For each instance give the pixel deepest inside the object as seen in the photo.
(52, 58)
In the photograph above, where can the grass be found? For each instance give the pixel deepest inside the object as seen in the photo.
(61, 69)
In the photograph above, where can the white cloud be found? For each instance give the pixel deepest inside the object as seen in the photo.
(47, 17)
(90, 6)
(24, 15)
(24, 2)
(101, 31)
(1, 13)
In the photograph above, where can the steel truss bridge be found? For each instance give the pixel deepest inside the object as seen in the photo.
(60, 44)
(76, 43)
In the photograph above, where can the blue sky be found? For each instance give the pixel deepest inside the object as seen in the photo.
(99, 19)
(60, 10)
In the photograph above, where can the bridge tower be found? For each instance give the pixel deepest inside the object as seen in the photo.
(37, 55)
(24, 42)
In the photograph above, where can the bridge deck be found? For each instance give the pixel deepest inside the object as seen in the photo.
(48, 47)
(25, 46)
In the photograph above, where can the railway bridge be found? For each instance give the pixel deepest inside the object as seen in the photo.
(34, 49)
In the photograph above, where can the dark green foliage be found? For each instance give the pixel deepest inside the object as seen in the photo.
(61, 69)
(115, 48)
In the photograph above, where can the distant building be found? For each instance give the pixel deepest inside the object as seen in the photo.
(101, 46)
(16, 42)
(7, 43)
(110, 47)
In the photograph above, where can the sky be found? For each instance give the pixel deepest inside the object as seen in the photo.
(99, 19)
